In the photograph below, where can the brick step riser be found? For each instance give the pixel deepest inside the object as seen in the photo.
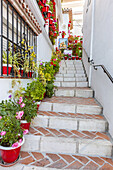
(70, 123)
(67, 145)
(70, 108)
(74, 93)
(71, 84)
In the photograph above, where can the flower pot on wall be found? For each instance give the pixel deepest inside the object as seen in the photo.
(25, 125)
(69, 58)
(65, 57)
(38, 105)
(77, 57)
(49, 14)
(10, 154)
(63, 36)
(46, 8)
(73, 58)
(4, 69)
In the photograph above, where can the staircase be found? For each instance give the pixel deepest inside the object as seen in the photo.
(69, 131)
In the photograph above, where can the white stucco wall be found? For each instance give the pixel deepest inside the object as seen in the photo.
(102, 54)
(5, 86)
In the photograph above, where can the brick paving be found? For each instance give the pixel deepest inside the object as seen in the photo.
(43, 131)
(64, 161)
(72, 115)
(72, 100)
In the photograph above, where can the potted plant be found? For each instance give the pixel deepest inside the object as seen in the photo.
(73, 57)
(63, 34)
(11, 137)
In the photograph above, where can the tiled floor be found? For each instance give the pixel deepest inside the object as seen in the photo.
(63, 161)
(41, 131)
(72, 100)
(72, 115)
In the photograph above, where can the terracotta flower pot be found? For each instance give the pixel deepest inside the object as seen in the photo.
(25, 125)
(10, 154)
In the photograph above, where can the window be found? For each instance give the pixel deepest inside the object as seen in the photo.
(14, 30)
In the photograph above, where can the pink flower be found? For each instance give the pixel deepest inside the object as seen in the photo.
(3, 133)
(20, 140)
(19, 114)
(25, 132)
(20, 100)
(14, 145)
(22, 105)
(0, 117)
(54, 59)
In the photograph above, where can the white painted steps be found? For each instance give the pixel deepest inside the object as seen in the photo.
(70, 142)
(70, 121)
(71, 104)
(74, 92)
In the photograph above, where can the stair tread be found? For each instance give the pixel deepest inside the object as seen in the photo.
(74, 88)
(64, 133)
(71, 115)
(72, 100)
(63, 161)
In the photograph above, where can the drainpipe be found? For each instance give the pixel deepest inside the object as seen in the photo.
(92, 36)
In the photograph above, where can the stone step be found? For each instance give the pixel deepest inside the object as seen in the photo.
(71, 84)
(76, 68)
(70, 121)
(52, 161)
(70, 79)
(70, 75)
(67, 141)
(71, 71)
(71, 105)
(74, 92)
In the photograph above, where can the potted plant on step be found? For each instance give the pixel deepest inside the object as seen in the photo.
(11, 137)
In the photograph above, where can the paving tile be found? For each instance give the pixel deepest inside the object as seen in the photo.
(82, 159)
(54, 157)
(42, 163)
(68, 158)
(58, 164)
(91, 166)
(97, 160)
(106, 167)
(74, 165)
(24, 154)
(27, 160)
(37, 155)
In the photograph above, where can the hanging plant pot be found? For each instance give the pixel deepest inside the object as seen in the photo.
(51, 21)
(73, 57)
(46, 8)
(25, 125)
(77, 57)
(65, 57)
(4, 69)
(43, 1)
(49, 14)
(10, 154)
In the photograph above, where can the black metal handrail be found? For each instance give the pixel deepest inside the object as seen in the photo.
(105, 71)
(102, 66)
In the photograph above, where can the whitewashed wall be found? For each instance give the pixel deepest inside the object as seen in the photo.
(5, 86)
(102, 54)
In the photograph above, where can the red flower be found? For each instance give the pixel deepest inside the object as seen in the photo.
(69, 21)
(54, 64)
(51, 63)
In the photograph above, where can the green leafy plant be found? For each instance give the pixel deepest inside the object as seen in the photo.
(10, 132)
(35, 90)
